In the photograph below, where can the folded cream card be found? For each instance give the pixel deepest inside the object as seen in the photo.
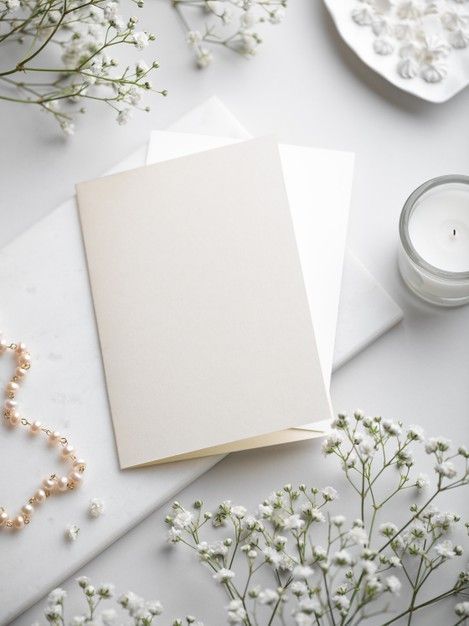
(204, 323)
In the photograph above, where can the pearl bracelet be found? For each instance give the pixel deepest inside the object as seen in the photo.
(53, 484)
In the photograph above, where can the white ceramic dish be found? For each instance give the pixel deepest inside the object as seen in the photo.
(431, 36)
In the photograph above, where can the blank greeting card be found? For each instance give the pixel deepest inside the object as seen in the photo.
(204, 323)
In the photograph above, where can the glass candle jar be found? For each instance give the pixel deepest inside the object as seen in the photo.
(434, 241)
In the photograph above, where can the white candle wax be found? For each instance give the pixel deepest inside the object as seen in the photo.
(434, 251)
(439, 228)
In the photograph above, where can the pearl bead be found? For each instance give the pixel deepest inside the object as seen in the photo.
(35, 427)
(79, 465)
(75, 477)
(49, 484)
(20, 372)
(28, 510)
(68, 450)
(14, 419)
(40, 496)
(12, 387)
(62, 483)
(54, 437)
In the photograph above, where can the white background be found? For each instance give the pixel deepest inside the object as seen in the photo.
(308, 87)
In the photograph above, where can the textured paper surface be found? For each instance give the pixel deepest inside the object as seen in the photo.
(200, 286)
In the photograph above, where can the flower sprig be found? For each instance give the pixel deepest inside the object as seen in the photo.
(128, 606)
(85, 35)
(296, 561)
(232, 24)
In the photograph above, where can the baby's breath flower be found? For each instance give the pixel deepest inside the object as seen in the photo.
(131, 602)
(265, 510)
(341, 422)
(239, 511)
(434, 444)
(415, 433)
(110, 11)
(310, 606)
(342, 558)
(294, 522)
(236, 612)
(368, 567)
(445, 549)
(358, 536)
(329, 494)
(272, 556)
(223, 575)
(332, 442)
(154, 607)
(124, 116)
(204, 57)
(53, 612)
(280, 541)
(56, 596)
(276, 16)
(299, 588)
(140, 40)
(105, 590)
(319, 553)
(366, 448)
(71, 532)
(388, 529)
(174, 535)
(341, 602)
(183, 520)
(95, 508)
(193, 37)
(303, 571)
(393, 584)
(268, 596)
(391, 428)
(422, 481)
(141, 67)
(462, 609)
(446, 469)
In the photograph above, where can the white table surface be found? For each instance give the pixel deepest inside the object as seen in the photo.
(309, 88)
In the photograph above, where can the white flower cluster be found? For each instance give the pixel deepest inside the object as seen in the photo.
(232, 24)
(297, 561)
(141, 612)
(83, 36)
(324, 570)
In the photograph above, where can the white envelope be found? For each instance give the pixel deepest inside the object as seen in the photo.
(318, 184)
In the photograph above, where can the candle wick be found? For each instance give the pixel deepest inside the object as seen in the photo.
(454, 233)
